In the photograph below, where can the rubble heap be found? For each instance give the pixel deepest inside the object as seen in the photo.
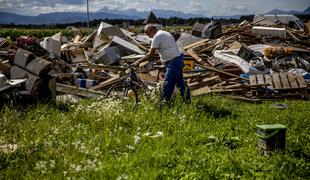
(248, 61)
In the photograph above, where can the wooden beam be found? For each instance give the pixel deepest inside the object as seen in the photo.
(192, 53)
(207, 90)
(214, 45)
(205, 82)
(88, 93)
(190, 46)
(109, 82)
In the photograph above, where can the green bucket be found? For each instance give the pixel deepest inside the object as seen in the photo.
(271, 137)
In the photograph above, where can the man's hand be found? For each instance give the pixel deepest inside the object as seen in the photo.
(136, 64)
(148, 56)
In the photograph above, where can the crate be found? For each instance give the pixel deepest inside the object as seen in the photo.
(271, 137)
(246, 53)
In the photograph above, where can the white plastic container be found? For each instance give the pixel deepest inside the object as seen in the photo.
(52, 45)
(269, 31)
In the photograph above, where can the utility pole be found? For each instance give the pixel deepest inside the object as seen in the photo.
(87, 15)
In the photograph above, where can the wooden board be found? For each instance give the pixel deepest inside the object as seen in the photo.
(276, 81)
(301, 81)
(109, 82)
(79, 91)
(260, 79)
(268, 80)
(205, 82)
(253, 80)
(203, 41)
(192, 53)
(284, 81)
(293, 82)
(207, 90)
(201, 91)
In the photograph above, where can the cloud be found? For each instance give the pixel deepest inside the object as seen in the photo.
(231, 7)
(197, 7)
(203, 7)
(135, 4)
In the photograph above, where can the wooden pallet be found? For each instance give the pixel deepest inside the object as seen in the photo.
(279, 81)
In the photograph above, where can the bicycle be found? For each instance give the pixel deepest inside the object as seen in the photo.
(129, 87)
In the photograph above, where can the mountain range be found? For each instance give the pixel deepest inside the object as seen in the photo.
(274, 11)
(106, 13)
(278, 11)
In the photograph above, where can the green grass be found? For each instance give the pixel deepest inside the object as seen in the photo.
(98, 139)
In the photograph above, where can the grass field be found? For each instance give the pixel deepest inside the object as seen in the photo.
(99, 139)
(14, 33)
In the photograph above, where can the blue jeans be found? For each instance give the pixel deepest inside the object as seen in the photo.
(174, 76)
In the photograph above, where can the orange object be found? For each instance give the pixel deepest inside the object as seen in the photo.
(275, 51)
(188, 65)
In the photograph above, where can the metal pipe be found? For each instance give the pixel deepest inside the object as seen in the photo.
(87, 15)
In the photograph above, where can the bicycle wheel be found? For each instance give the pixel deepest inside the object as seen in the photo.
(123, 92)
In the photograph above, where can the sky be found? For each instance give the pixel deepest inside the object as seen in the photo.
(202, 7)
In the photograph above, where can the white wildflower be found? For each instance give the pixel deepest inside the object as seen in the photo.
(8, 148)
(137, 138)
(158, 134)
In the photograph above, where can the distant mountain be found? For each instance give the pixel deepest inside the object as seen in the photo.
(57, 17)
(278, 11)
(104, 13)
(143, 14)
(229, 17)
(307, 11)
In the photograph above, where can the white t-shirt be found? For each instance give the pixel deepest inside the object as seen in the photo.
(166, 46)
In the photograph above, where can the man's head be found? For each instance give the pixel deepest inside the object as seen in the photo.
(150, 30)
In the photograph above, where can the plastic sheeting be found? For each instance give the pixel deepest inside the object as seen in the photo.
(231, 56)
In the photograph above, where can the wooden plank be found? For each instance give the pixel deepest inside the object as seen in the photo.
(214, 45)
(235, 86)
(205, 82)
(293, 82)
(260, 79)
(203, 41)
(79, 91)
(301, 81)
(109, 82)
(225, 90)
(268, 80)
(276, 81)
(223, 72)
(201, 91)
(192, 53)
(284, 80)
(197, 75)
(253, 80)
(207, 90)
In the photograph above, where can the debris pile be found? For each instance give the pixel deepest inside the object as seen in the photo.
(249, 61)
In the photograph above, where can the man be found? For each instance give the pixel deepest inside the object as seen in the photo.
(163, 42)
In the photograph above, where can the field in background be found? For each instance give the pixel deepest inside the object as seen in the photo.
(213, 137)
(14, 33)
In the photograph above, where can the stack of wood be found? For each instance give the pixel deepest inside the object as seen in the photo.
(35, 70)
(226, 79)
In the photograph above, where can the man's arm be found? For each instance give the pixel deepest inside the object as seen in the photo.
(148, 56)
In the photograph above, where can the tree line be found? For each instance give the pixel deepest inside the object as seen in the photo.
(172, 21)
